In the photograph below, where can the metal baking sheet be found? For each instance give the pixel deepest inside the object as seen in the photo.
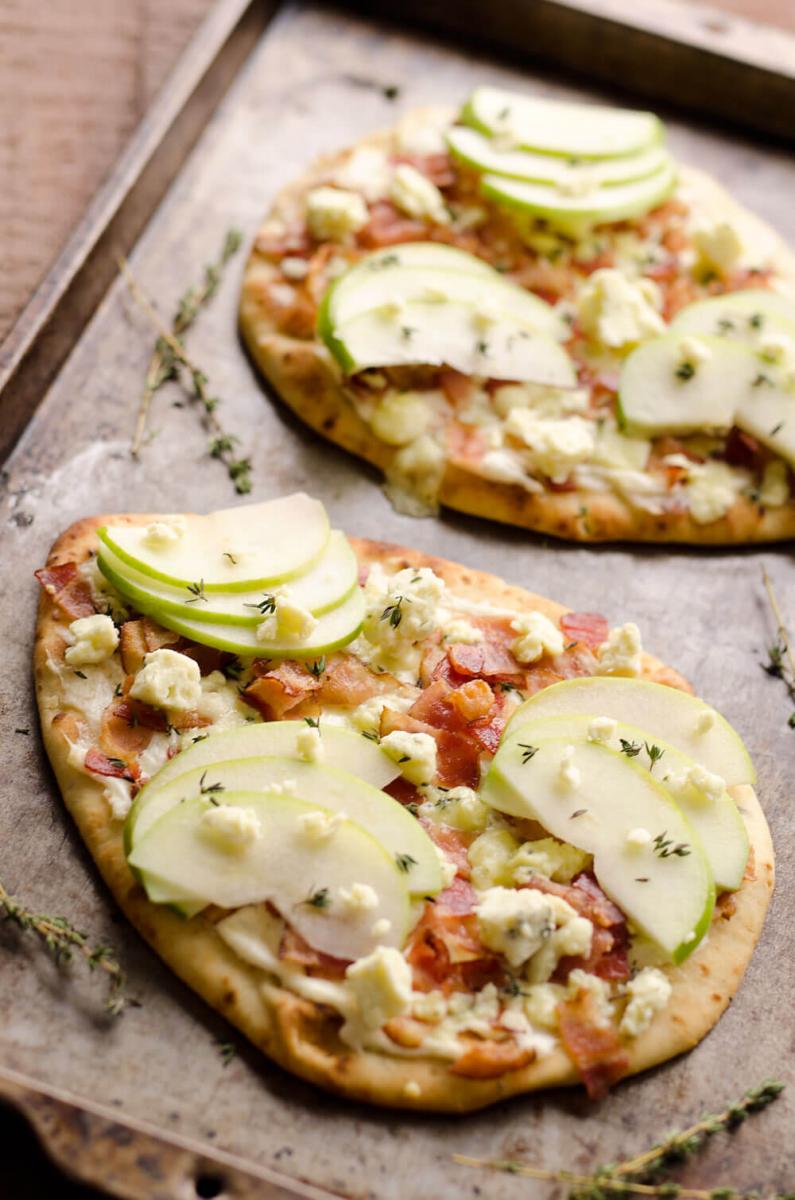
(314, 82)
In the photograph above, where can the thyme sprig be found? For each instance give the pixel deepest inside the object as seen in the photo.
(170, 361)
(781, 660)
(647, 1174)
(62, 940)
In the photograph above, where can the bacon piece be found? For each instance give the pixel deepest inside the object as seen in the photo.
(404, 792)
(294, 949)
(458, 754)
(347, 682)
(489, 1060)
(460, 897)
(608, 958)
(99, 764)
(122, 733)
(569, 665)
(588, 628)
(277, 245)
(67, 588)
(465, 443)
(595, 1049)
(453, 842)
(208, 658)
(141, 637)
(485, 660)
(447, 707)
(446, 953)
(457, 387)
(276, 692)
(387, 227)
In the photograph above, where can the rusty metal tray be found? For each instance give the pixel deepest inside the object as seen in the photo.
(145, 1107)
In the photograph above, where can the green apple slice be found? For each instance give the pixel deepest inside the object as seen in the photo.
(159, 891)
(679, 719)
(285, 866)
(362, 290)
(717, 821)
(485, 156)
(324, 586)
(665, 886)
(574, 213)
(767, 411)
(451, 334)
(333, 630)
(556, 127)
(234, 549)
(661, 392)
(327, 787)
(430, 255)
(746, 316)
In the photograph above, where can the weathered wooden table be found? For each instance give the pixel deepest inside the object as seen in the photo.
(315, 81)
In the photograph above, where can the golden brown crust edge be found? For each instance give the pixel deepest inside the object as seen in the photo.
(300, 1036)
(309, 382)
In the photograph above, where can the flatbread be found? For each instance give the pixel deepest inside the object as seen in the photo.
(305, 376)
(302, 1036)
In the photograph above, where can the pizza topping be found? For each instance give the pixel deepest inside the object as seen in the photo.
(415, 195)
(279, 690)
(515, 923)
(67, 589)
(333, 214)
(168, 680)
(589, 628)
(100, 764)
(595, 1048)
(537, 636)
(618, 312)
(415, 754)
(620, 653)
(649, 992)
(551, 447)
(380, 985)
(95, 639)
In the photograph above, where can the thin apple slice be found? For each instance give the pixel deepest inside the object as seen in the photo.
(434, 255)
(333, 630)
(327, 787)
(486, 155)
(303, 877)
(324, 586)
(662, 391)
(388, 288)
(159, 891)
(451, 334)
(747, 316)
(681, 720)
(556, 127)
(575, 213)
(716, 819)
(234, 549)
(767, 411)
(647, 857)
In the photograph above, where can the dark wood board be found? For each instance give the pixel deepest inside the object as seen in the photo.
(315, 81)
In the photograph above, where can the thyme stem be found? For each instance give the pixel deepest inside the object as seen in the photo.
(781, 630)
(62, 939)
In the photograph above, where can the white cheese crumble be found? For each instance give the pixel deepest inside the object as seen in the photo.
(710, 785)
(231, 828)
(162, 535)
(694, 351)
(553, 447)
(358, 898)
(712, 488)
(460, 807)
(400, 417)
(95, 639)
(414, 476)
(332, 213)
(554, 860)
(572, 937)
(705, 721)
(366, 170)
(309, 744)
(515, 923)
(118, 794)
(416, 196)
(537, 636)
(619, 312)
(168, 680)
(569, 775)
(380, 985)
(504, 466)
(401, 610)
(294, 268)
(319, 826)
(620, 654)
(367, 716)
(462, 632)
(414, 753)
(638, 838)
(581, 981)
(720, 246)
(648, 992)
(288, 622)
(601, 729)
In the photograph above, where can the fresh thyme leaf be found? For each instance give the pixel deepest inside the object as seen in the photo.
(407, 332)
(200, 737)
(756, 320)
(227, 1050)
(664, 847)
(579, 812)
(62, 939)
(197, 592)
(118, 763)
(313, 722)
(631, 749)
(388, 260)
(405, 862)
(761, 379)
(781, 661)
(371, 735)
(654, 753)
(317, 668)
(685, 371)
(233, 669)
(231, 558)
(527, 752)
(482, 347)
(776, 429)
(210, 790)
(319, 899)
(393, 613)
(267, 605)
(80, 674)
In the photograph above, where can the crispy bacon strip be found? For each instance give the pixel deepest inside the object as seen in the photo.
(276, 692)
(595, 1049)
(100, 764)
(140, 637)
(471, 709)
(588, 628)
(347, 682)
(609, 956)
(66, 588)
(454, 844)
(458, 754)
(445, 951)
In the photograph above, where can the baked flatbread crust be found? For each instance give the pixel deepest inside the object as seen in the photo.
(306, 377)
(302, 1036)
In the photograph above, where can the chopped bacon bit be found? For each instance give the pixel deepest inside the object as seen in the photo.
(457, 387)
(387, 227)
(595, 1049)
(490, 659)
(489, 1060)
(290, 308)
(346, 682)
(277, 245)
(460, 897)
(680, 292)
(446, 953)
(66, 588)
(404, 792)
(122, 734)
(610, 943)
(439, 168)
(208, 658)
(454, 844)
(569, 665)
(597, 263)
(465, 443)
(141, 637)
(276, 692)
(99, 764)
(743, 450)
(293, 948)
(588, 628)
(458, 754)
(472, 700)
(547, 280)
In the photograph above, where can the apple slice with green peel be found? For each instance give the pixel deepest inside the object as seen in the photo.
(767, 411)
(716, 820)
(574, 213)
(303, 877)
(234, 549)
(324, 586)
(647, 857)
(485, 155)
(342, 748)
(662, 391)
(327, 787)
(333, 630)
(159, 891)
(680, 719)
(435, 255)
(361, 290)
(451, 334)
(746, 316)
(556, 127)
